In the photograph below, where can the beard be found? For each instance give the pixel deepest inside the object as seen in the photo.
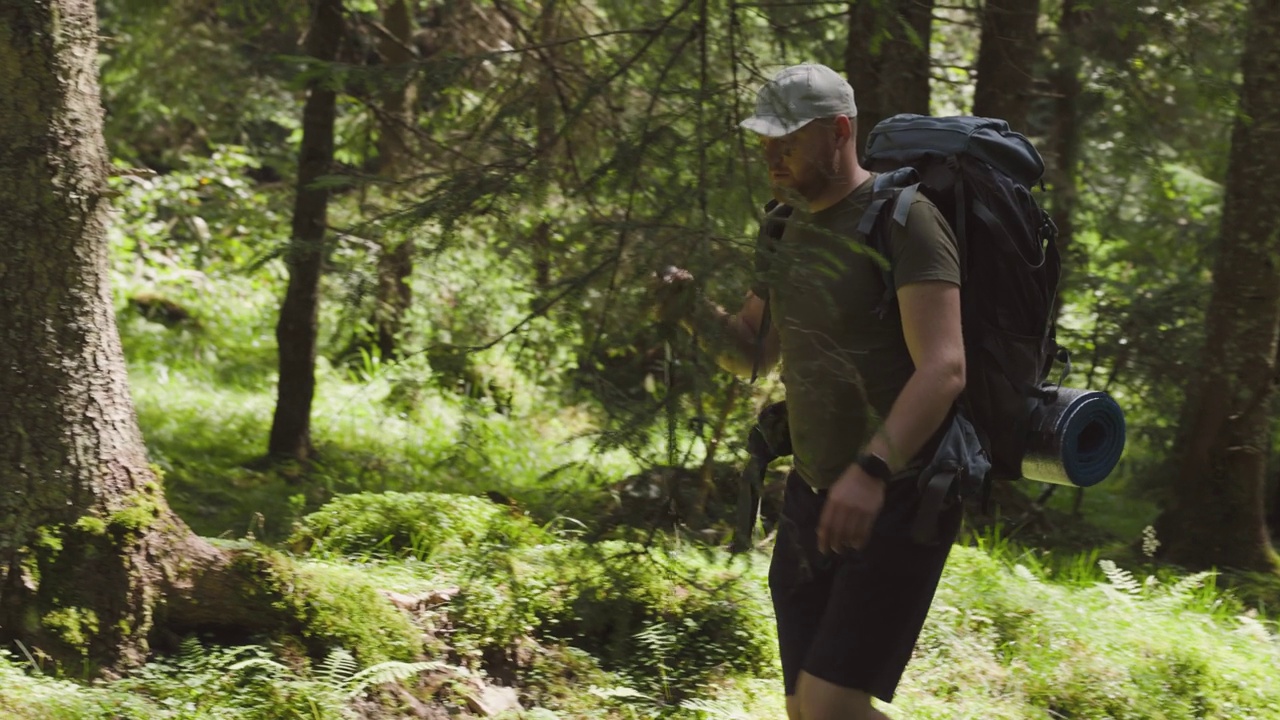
(809, 182)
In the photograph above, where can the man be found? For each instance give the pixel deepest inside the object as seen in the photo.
(867, 396)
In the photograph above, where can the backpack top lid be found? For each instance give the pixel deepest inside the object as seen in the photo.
(915, 140)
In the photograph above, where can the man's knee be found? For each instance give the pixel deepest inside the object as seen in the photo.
(822, 700)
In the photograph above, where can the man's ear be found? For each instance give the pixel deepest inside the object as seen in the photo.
(846, 128)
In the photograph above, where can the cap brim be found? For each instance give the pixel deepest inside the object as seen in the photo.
(771, 126)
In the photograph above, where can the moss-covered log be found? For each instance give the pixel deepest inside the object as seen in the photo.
(93, 563)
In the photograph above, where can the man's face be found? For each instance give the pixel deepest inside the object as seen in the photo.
(806, 161)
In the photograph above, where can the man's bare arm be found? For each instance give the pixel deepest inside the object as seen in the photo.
(731, 339)
(931, 328)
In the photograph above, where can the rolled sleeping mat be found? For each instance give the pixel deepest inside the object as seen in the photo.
(1076, 439)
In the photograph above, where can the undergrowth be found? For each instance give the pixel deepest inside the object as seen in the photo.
(476, 510)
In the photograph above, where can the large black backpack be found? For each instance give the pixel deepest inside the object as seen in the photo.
(980, 174)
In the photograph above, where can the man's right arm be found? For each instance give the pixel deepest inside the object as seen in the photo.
(731, 339)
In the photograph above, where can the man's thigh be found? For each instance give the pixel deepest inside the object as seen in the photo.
(878, 601)
(799, 579)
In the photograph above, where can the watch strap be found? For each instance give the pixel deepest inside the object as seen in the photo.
(875, 466)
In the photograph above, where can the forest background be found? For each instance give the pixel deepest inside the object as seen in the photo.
(414, 444)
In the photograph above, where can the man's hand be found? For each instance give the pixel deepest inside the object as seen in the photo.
(674, 291)
(853, 503)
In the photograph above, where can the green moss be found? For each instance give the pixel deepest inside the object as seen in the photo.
(422, 525)
(91, 524)
(74, 626)
(138, 512)
(640, 612)
(49, 537)
(333, 606)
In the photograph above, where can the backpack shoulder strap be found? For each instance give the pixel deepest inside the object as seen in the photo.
(891, 193)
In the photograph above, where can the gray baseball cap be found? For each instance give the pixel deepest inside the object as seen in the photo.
(798, 95)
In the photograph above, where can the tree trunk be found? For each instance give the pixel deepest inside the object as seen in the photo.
(395, 259)
(297, 329)
(91, 557)
(1006, 57)
(887, 59)
(546, 114)
(396, 51)
(1215, 513)
(1062, 175)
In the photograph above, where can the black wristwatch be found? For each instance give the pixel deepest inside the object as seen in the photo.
(875, 466)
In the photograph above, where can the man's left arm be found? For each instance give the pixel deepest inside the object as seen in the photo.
(926, 263)
(931, 327)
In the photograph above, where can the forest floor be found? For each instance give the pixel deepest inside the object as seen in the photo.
(544, 592)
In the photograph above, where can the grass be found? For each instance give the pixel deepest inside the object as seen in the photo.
(591, 630)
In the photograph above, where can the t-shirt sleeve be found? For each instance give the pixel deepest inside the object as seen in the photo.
(926, 249)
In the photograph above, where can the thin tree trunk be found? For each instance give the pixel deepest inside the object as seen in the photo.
(1066, 83)
(395, 259)
(887, 59)
(297, 328)
(545, 121)
(1215, 515)
(92, 559)
(1006, 58)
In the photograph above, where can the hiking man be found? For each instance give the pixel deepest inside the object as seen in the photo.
(867, 395)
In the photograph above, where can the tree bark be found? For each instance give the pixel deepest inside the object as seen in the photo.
(1215, 513)
(1063, 172)
(545, 121)
(1066, 83)
(887, 59)
(297, 328)
(395, 259)
(1006, 57)
(91, 557)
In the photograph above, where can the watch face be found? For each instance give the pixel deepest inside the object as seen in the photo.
(875, 466)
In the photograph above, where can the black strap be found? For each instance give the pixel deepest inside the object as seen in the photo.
(750, 489)
(962, 240)
(933, 497)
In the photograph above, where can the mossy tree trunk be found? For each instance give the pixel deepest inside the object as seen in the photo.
(92, 561)
(1214, 515)
(298, 326)
(887, 59)
(1006, 60)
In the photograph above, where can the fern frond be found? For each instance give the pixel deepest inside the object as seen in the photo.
(387, 672)
(261, 662)
(190, 652)
(1181, 590)
(1120, 578)
(338, 668)
(1025, 573)
(714, 710)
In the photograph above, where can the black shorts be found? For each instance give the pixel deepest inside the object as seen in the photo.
(853, 619)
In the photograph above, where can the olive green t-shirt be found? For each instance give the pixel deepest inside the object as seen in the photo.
(838, 355)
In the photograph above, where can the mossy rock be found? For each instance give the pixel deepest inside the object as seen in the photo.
(328, 606)
(640, 612)
(422, 525)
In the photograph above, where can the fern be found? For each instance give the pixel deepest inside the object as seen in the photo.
(715, 710)
(386, 672)
(1120, 578)
(338, 668)
(1024, 572)
(1181, 592)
